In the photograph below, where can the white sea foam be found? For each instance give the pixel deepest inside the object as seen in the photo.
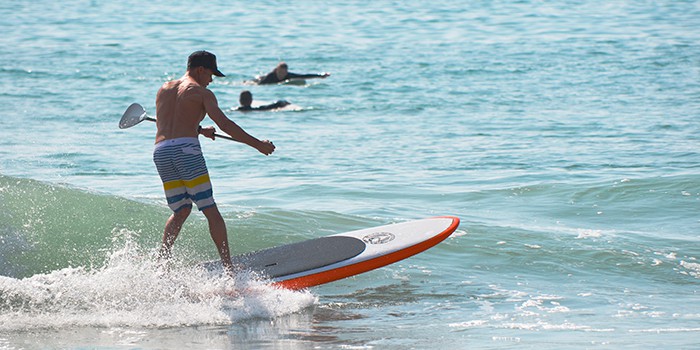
(459, 233)
(585, 233)
(468, 324)
(693, 269)
(664, 330)
(132, 289)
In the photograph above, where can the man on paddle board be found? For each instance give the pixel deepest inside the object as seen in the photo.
(180, 106)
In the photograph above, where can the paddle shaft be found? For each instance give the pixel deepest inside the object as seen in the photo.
(215, 134)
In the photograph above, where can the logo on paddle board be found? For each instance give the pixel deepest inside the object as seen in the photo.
(379, 238)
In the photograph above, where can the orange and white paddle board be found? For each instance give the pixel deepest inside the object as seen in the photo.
(327, 259)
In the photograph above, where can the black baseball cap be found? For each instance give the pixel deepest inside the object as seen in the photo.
(204, 59)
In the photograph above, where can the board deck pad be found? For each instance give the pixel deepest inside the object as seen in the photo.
(301, 256)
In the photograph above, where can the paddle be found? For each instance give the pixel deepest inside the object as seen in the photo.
(136, 114)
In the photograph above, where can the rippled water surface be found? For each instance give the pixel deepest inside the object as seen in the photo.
(564, 135)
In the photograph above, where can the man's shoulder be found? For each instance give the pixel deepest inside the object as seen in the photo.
(170, 85)
(195, 90)
(183, 86)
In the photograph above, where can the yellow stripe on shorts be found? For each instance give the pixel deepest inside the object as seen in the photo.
(171, 185)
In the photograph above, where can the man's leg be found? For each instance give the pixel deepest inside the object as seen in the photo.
(172, 230)
(217, 230)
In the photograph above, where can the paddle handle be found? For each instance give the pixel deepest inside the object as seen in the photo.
(215, 134)
(225, 137)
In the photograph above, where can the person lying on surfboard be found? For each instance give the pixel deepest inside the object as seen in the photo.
(180, 106)
(281, 73)
(246, 99)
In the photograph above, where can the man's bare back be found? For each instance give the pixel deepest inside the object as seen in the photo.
(180, 109)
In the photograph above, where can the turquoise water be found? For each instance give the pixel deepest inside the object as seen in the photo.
(563, 134)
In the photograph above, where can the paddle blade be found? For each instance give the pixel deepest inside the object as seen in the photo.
(133, 115)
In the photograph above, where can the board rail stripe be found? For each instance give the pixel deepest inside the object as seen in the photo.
(367, 265)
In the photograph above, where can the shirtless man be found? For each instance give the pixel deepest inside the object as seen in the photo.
(282, 73)
(180, 106)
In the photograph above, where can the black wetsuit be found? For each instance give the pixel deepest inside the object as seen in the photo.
(271, 78)
(278, 104)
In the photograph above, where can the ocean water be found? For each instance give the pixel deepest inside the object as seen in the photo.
(564, 134)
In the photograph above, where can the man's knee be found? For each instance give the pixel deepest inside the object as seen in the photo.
(183, 213)
(213, 215)
(211, 211)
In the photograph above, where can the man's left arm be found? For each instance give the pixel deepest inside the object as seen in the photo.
(211, 107)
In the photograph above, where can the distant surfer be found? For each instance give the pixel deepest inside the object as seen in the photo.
(180, 106)
(246, 99)
(281, 74)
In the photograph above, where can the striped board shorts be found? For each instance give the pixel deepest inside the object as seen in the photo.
(184, 173)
